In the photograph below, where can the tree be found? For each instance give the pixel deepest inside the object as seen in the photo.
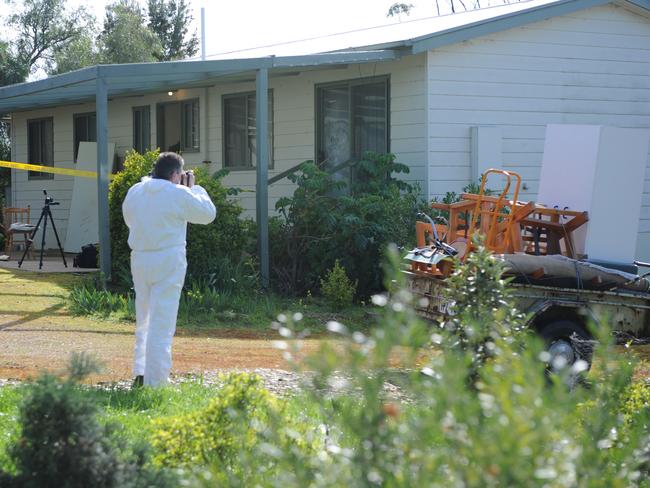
(453, 5)
(125, 37)
(169, 20)
(42, 26)
(11, 70)
(79, 53)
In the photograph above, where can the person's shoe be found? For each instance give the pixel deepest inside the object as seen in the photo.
(138, 381)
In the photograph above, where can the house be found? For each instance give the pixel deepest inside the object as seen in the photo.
(426, 90)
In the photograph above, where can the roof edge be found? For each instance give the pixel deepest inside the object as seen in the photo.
(507, 21)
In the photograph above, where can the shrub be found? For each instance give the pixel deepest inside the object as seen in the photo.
(208, 246)
(513, 426)
(62, 444)
(322, 222)
(337, 288)
(228, 425)
(87, 299)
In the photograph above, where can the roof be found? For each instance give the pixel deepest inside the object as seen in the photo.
(368, 45)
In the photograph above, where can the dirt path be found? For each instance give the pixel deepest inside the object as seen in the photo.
(37, 333)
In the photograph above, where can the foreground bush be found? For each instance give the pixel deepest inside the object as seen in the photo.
(212, 250)
(62, 443)
(326, 220)
(498, 421)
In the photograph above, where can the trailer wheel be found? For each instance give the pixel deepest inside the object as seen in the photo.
(567, 339)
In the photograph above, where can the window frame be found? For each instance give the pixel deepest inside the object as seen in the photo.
(246, 96)
(160, 124)
(75, 143)
(142, 109)
(39, 175)
(349, 83)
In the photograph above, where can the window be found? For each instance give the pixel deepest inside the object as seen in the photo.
(141, 129)
(352, 118)
(178, 126)
(240, 131)
(40, 147)
(84, 130)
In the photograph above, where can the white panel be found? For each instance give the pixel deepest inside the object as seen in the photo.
(618, 188)
(600, 170)
(486, 150)
(83, 225)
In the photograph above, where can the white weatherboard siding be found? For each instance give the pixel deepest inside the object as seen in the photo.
(590, 67)
(293, 128)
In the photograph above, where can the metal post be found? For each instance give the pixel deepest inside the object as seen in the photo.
(203, 33)
(101, 109)
(262, 132)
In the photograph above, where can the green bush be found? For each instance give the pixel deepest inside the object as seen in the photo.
(337, 288)
(88, 299)
(208, 246)
(219, 432)
(500, 421)
(62, 444)
(322, 222)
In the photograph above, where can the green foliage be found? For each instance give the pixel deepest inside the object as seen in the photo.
(88, 299)
(337, 289)
(125, 37)
(80, 52)
(480, 297)
(42, 26)
(169, 21)
(513, 426)
(62, 443)
(212, 249)
(321, 223)
(219, 432)
(11, 69)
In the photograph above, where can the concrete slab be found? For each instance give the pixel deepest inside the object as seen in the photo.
(51, 264)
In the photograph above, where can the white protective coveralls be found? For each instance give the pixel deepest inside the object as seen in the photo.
(157, 212)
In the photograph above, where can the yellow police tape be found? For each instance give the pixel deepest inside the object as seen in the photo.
(49, 169)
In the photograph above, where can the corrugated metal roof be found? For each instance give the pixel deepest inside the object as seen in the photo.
(368, 45)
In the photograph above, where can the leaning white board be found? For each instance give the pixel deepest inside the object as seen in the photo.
(83, 227)
(600, 170)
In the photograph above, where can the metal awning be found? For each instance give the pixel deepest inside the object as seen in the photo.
(98, 83)
(141, 78)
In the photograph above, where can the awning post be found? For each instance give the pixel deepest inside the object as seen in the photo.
(101, 109)
(262, 207)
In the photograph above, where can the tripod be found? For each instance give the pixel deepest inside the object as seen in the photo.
(45, 213)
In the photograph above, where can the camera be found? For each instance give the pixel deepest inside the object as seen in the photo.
(48, 199)
(185, 177)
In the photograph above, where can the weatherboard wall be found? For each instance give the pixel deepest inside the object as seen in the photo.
(589, 67)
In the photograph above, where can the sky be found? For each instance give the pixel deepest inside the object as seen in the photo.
(236, 25)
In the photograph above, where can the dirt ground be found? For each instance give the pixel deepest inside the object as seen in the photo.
(37, 333)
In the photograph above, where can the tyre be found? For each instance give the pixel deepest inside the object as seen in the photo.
(567, 339)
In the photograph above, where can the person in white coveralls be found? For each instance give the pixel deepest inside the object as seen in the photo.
(157, 211)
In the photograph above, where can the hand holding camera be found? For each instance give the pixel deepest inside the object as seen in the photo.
(187, 179)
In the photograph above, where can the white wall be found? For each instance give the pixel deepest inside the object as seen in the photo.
(294, 131)
(590, 67)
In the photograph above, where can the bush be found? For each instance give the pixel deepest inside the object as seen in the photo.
(63, 445)
(337, 288)
(321, 223)
(208, 246)
(512, 425)
(219, 432)
(88, 299)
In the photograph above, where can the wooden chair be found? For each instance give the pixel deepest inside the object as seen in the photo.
(12, 218)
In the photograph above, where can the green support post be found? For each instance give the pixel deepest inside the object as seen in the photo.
(101, 104)
(262, 131)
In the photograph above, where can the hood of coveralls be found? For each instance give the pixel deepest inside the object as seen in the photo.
(154, 185)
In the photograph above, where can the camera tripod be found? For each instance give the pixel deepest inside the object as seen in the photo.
(45, 214)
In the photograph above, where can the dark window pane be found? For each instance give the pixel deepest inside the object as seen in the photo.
(141, 129)
(84, 130)
(334, 126)
(235, 132)
(370, 118)
(40, 146)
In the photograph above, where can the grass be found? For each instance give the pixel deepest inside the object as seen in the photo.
(205, 307)
(133, 411)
